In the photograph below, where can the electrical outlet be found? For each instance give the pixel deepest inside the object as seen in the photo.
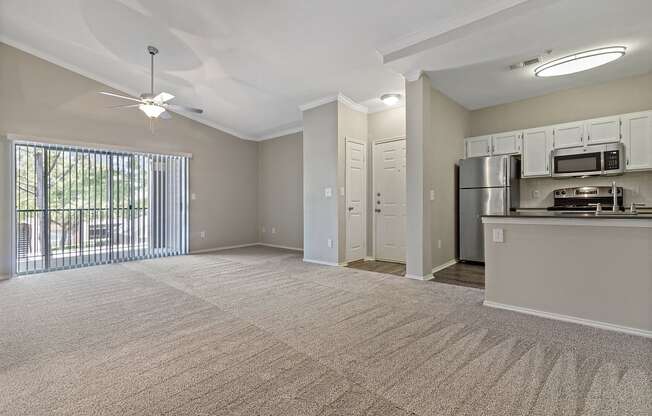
(273, 230)
(498, 235)
(193, 196)
(330, 243)
(202, 234)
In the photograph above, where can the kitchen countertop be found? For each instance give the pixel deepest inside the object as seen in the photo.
(554, 214)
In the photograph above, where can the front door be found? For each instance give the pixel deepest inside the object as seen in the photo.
(389, 200)
(355, 200)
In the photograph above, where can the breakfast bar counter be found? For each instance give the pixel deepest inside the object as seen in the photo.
(584, 268)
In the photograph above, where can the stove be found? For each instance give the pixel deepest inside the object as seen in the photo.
(586, 199)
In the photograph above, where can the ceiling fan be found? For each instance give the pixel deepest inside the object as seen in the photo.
(154, 106)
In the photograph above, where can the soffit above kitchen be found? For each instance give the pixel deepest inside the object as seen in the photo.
(471, 63)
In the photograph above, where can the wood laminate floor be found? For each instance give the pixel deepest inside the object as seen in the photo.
(462, 274)
(397, 269)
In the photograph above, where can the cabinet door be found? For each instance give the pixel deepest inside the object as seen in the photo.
(603, 130)
(506, 143)
(478, 146)
(637, 138)
(568, 135)
(537, 144)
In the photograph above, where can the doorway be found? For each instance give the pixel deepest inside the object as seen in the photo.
(356, 191)
(389, 196)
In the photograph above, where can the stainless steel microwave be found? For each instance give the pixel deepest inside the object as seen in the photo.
(604, 159)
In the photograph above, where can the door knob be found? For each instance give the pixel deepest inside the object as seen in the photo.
(350, 208)
(377, 210)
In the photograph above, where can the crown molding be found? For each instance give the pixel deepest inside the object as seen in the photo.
(318, 102)
(341, 98)
(120, 88)
(279, 133)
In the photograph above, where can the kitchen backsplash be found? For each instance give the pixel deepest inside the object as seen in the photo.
(537, 192)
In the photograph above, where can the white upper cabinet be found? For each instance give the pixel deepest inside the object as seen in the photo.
(537, 144)
(637, 137)
(506, 143)
(477, 146)
(603, 130)
(568, 135)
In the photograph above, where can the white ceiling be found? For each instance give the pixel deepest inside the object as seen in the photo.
(251, 63)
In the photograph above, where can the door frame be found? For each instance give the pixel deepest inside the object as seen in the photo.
(373, 187)
(363, 143)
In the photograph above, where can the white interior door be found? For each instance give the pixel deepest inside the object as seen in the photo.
(389, 200)
(355, 200)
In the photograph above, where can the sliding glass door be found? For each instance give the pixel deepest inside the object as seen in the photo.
(78, 207)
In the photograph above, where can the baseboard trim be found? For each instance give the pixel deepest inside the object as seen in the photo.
(323, 263)
(572, 319)
(369, 258)
(278, 246)
(5, 277)
(417, 277)
(208, 250)
(441, 267)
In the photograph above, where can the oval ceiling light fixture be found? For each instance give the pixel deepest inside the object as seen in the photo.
(390, 99)
(579, 62)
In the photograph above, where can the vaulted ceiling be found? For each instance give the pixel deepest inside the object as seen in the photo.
(251, 63)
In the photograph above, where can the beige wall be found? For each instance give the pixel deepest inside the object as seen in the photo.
(280, 191)
(41, 99)
(616, 97)
(449, 126)
(595, 272)
(320, 162)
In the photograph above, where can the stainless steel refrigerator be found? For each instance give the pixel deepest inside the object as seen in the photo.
(487, 185)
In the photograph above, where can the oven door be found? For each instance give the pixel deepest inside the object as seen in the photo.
(571, 162)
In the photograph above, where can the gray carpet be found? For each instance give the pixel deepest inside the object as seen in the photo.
(257, 332)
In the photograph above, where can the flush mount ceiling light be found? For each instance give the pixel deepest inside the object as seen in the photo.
(390, 99)
(580, 61)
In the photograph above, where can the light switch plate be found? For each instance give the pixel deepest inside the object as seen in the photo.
(328, 192)
(193, 196)
(432, 194)
(330, 243)
(498, 235)
(273, 230)
(202, 234)
(264, 229)
(342, 191)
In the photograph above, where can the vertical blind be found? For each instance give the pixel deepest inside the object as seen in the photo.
(78, 207)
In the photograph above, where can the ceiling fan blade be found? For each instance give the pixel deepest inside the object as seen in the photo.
(163, 97)
(124, 106)
(184, 108)
(124, 97)
(165, 115)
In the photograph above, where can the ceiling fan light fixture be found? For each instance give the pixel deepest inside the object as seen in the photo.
(151, 110)
(581, 61)
(390, 99)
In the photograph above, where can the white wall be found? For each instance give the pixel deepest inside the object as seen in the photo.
(280, 191)
(38, 98)
(320, 162)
